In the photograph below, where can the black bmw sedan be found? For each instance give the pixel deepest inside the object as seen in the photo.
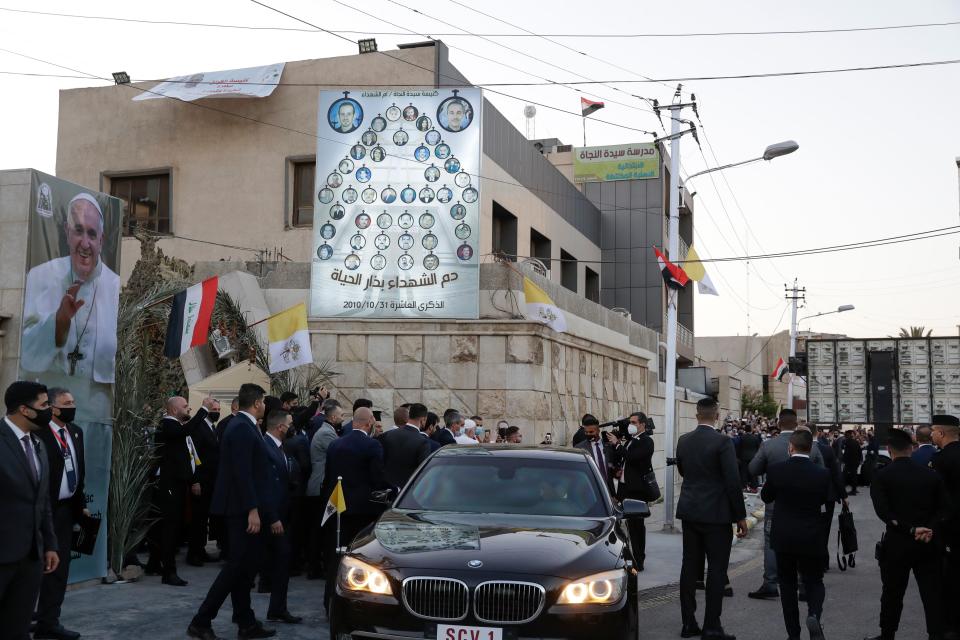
(493, 543)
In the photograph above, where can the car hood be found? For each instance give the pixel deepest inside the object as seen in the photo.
(543, 545)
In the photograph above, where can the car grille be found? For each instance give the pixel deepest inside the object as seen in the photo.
(508, 602)
(436, 598)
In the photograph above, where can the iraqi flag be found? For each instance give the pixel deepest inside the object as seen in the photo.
(780, 370)
(674, 276)
(589, 106)
(190, 318)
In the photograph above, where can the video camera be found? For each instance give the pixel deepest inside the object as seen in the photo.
(623, 424)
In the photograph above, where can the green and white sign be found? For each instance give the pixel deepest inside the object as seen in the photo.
(638, 161)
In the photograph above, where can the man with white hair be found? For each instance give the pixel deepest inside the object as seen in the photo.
(468, 433)
(70, 314)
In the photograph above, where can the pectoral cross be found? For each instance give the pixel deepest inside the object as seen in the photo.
(74, 357)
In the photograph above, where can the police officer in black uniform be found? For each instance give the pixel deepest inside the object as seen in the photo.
(913, 503)
(946, 435)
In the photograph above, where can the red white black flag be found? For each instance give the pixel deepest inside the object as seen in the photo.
(589, 106)
(780, 370)
(674, 276)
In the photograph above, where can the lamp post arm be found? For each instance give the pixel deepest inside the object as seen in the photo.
(726, 166)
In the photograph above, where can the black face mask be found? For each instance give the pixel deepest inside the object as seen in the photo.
(67, 414)
(214, 416)
(43, 418)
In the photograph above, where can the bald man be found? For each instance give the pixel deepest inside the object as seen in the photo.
(177, 473)
(70, 315)
(357, 459)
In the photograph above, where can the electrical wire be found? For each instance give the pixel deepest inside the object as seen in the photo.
(703, 34)
(764, 347)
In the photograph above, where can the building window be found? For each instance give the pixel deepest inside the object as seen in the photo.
(592, 285)
(146, 201)
(540, 247)
(568, 271)
(504, 232)
(303, 176)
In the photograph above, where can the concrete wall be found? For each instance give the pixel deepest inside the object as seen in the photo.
(14, 211)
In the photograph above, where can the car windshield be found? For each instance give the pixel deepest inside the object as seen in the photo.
(493, 484)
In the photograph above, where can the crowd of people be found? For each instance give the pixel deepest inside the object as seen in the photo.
(258, 481)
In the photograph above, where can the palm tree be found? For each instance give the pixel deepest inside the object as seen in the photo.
(915, 332)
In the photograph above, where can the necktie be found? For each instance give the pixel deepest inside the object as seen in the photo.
(600, 461)
(31, 457)
(72, 472)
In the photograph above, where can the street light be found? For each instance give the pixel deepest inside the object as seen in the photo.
(840, 309)
(794, 327)
(673, 237)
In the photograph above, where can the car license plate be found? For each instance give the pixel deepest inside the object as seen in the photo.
(456, 632)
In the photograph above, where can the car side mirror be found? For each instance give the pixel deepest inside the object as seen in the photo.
(635, 509)
(385, 496)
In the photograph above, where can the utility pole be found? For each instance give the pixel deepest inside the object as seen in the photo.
(794, 295)
(673, 249)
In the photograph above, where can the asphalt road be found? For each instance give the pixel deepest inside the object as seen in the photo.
(851, 610)
(149, 611)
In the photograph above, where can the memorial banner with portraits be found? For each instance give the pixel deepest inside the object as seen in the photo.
(397, 204)
(68, 336)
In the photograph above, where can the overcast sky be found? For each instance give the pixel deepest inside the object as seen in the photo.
(877, 148)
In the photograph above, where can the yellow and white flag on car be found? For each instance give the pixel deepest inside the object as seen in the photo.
(541, 308)
(289, 339)
(695, 269)
(336, 504)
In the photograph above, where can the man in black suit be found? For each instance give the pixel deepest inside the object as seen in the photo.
(208, 450)
(240, 496)
(711, 499)
(217, 530)
(356, 459)
(277, 539)
(63, 441)
(852, 455)
(28, 544)
(839, 492)
(580, 434)
(404, 448)
(747, 448)
(802, 489)
(946, 435)
(637, 453)
(176, 475)
(602, 453)
(444, 435)
(914, 503)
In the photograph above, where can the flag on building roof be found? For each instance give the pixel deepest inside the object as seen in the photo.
(589, 106)
(674, 276)
(780, 370)
(698, 273)
(190, 318)
(289, 339)
(541, 308)
(336, 504)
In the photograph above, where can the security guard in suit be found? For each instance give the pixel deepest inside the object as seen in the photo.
(946, 435)
(913, 503)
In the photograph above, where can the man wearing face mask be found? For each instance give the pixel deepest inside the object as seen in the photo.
(63, 441)
(208, 450)
(637, 453)
(28, 544)
(601, 453)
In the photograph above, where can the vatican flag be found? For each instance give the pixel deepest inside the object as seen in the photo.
(697, 272)
(336, 504)
(289, 339)
(541, 308)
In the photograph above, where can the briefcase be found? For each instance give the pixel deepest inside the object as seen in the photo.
(651, 488)
(846, 540)
(85, 535)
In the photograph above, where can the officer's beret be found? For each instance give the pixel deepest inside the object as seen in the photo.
(945, 420)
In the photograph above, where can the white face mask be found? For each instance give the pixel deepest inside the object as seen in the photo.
(632, 429)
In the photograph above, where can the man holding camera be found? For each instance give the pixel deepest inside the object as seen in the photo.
(637, 453)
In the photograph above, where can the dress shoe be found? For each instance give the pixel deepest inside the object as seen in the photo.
(717, 634)
(286, 617)
(203, 633)
(728, 591)
(813, 626)
(55, 633)
(256, 631)
(690, 631)
(764, 593)
(174, 580)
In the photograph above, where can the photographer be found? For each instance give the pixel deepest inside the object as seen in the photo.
(638, 481)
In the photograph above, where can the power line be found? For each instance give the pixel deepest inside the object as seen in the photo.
(769, 339)
(703, 34)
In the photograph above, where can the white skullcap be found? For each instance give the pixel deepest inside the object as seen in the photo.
(89, 198)
(469, 424)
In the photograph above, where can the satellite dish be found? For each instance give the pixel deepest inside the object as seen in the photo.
(529, 111)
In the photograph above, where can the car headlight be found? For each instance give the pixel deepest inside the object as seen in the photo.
(600, 588)
(355, 575)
